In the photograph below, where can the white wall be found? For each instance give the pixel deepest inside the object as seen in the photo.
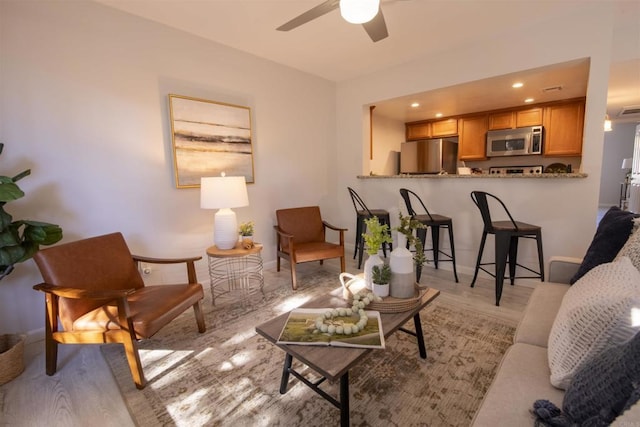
(566, 209)
(618, 145)
(388, 134)
(84, 105)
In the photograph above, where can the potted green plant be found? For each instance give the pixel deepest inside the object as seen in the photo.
(19, 241)
(245, 229)
(381, 277)
(376, 235)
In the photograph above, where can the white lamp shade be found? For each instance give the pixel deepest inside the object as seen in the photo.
(224, 193)
(627, 163)
(359, 11)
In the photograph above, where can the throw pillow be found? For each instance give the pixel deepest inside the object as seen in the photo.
(595, 314)
(611, 235)
(601, 390)
(631, 249)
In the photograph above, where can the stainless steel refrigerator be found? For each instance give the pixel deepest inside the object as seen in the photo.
(429, 156)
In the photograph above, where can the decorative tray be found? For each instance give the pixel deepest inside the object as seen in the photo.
(388, 304)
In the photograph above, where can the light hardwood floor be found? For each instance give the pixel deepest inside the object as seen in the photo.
(83, 391)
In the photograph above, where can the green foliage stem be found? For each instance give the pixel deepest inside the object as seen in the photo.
(407, 227)
(376, 235)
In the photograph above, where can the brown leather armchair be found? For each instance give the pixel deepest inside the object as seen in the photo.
(301, 237)
(94, 291)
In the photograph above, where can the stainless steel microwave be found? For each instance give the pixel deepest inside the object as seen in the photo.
(515, 142)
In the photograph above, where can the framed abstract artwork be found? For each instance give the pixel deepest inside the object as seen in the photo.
(209, 138)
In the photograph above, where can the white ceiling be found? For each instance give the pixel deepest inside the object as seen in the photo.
(331, 48)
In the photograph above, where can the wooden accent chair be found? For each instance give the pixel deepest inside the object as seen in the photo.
(301, 237)
(94, 290)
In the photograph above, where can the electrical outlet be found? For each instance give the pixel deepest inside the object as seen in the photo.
(145, 268)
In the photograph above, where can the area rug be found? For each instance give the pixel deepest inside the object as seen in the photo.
(230, 376)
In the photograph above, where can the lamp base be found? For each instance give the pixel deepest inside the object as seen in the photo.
(225, 229)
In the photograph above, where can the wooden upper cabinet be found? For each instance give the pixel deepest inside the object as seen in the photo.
(448, 127)
(530, 117)
(504, 120)
(418, 131)
(563, 128)
(515, 119)
(472, 140)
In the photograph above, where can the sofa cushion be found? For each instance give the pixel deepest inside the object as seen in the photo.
(631, 248)
(612, 233)
(595, 314)
(541, 310)
(522, 377)
(601, 390)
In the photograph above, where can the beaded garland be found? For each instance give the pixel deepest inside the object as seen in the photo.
(327, 325)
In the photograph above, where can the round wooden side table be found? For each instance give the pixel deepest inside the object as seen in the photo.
(239, 269)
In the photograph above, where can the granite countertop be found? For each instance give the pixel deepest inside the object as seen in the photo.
(476, 176)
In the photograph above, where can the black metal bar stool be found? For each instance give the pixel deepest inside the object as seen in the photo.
(506, 235)
(362, 213)
(435, 222)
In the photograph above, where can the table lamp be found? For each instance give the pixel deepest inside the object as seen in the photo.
(224, 193)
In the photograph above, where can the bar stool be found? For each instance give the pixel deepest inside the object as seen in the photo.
(506, 235)
(435, 222)
(362, 213)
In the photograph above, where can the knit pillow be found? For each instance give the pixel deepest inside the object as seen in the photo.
(631, 249)
(595, 314)
(601, 390)
(611, 235)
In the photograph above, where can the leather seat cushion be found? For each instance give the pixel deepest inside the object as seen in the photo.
(151, 308)
(314, 251)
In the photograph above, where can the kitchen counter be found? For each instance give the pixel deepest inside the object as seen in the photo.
(478, 176)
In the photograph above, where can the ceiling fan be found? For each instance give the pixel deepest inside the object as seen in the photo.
(375, 26)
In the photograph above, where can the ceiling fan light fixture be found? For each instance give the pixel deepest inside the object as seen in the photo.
(359, 11)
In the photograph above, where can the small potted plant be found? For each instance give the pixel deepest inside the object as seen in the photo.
(246, 233)
(376, 235)
(381, 276)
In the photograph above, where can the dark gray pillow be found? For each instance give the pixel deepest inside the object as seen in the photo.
(612, 233)
(600, 391)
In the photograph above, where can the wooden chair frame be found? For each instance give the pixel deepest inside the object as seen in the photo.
(54, 333)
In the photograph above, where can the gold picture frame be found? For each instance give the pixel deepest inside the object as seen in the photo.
(209, 138)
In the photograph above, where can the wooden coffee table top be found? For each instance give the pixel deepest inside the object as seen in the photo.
(333, 362)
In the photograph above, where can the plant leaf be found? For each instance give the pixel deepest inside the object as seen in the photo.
(9, 190)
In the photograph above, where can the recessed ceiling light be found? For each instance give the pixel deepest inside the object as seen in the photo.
(415, 104)
(529, 100)
(517, 85)
(438, 114)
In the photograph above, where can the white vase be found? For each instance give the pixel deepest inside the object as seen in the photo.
(372, 261)
(402, 275)
(381, 290)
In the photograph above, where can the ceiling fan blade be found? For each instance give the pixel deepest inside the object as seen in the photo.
(377, 28)
(310, 15)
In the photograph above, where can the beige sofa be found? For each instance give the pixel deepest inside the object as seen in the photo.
(523, 375)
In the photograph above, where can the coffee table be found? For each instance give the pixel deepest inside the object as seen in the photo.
(334, 363)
